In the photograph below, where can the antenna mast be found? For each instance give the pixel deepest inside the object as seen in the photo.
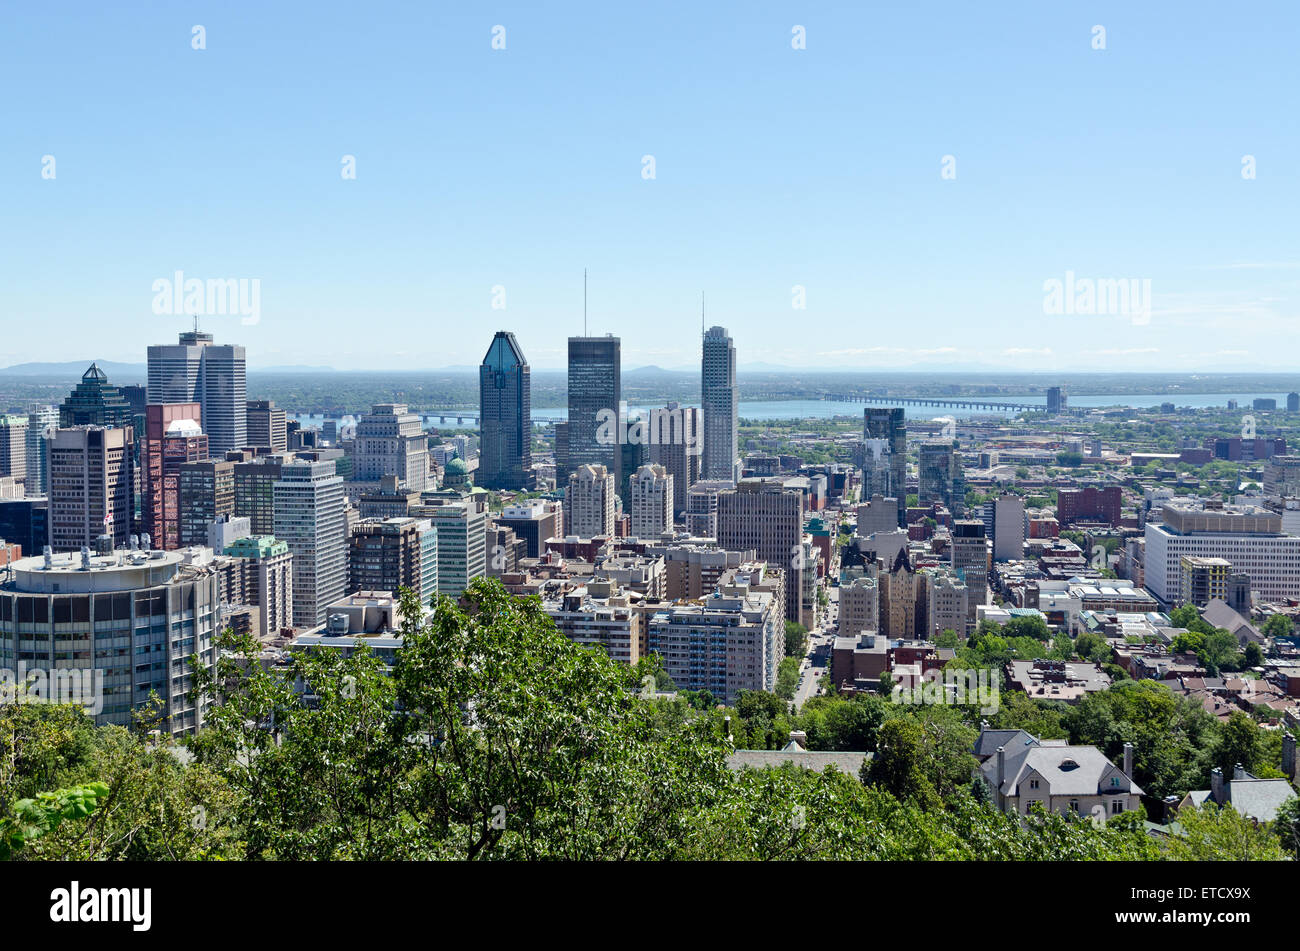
(584, 302)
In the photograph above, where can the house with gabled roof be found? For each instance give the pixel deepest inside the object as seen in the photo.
(1024, 770)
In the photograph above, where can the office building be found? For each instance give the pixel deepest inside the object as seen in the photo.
(939, 477)
(589, 502)
(764, 517)
(257, 572)
(255, 479)
(26, 523)
(309, 517)
(1056, 401)
(1089, 505)
(13, 447)
(172, 437)
(92, 486)
(652, 502)
(533, 521)
(1248, 537)
(267, 426)
(391, 441)
(196, 370)
(970, 562)
(702, 507)
(593, 434)
(884, 456)
(731, 640)
(94, 402)
(394, 553)
(117, 626)
(505, 416)
(1008, 528)
(719, 398)
(207, 494)
(462, 544)
(41, 423)
(676, 444)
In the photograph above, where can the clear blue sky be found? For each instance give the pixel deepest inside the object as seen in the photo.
(775, 167)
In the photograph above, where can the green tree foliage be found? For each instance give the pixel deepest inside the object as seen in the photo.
(787, 678)
(1222, 834)
(1172, 736)
(495, 737)
(796, 639)
(32, 819)
(1287, 826)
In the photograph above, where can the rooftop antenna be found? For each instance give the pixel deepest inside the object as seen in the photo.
(584, 302)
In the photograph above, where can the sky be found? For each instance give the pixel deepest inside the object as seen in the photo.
(915, 177)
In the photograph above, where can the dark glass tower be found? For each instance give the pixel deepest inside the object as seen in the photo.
(595, 394)
(95, 402)
(505, 411)
(884, 464)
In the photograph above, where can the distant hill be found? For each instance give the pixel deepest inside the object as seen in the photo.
(73, 369)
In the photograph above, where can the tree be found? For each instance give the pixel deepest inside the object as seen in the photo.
(32, 819)
(1287, 825)
(1279, 625)
(899, 764)
(1214, 834)
(787, 678)
(796, 639)
(1239, 743)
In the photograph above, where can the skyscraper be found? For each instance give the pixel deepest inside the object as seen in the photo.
(505, 411)
(589, 502)
(595, 406)
(394, 553)
(266, 426)
(675, 444)
(95, 402)
(1008, 528)
(884, 457)
(196, 370)
(13, 449)
(767, 518)
(172, 437)
(939, 477)
(718, 394)
(652, 502)
(207, 492)
(92, 486)
(391, 441)
(310, 518)
(41, 424)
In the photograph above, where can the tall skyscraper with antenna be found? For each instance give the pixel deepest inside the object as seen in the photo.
(718, 397)
(195, 370)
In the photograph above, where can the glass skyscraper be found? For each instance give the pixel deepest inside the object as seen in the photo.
(718, 395)
(505, 410)
(595, 394)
